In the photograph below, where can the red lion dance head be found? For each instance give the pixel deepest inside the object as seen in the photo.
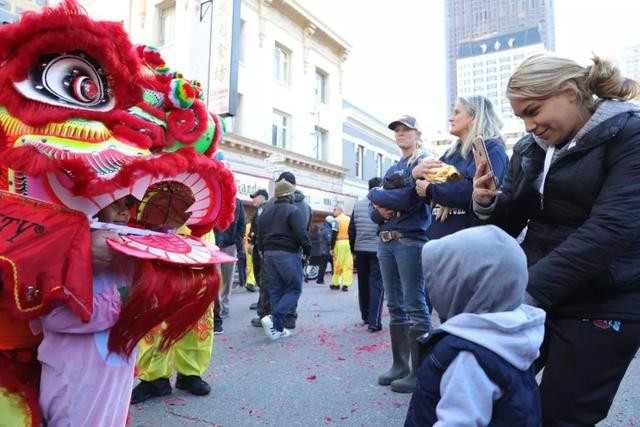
(86, 119)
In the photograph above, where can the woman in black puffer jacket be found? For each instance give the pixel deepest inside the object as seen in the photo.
(574, 182)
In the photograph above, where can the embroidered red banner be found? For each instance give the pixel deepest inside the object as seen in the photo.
(45, 257)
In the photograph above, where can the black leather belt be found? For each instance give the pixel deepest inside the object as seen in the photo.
(387, 236)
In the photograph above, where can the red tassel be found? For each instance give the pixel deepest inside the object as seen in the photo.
(176, 295)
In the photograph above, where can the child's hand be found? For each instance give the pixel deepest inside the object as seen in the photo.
(102, 255)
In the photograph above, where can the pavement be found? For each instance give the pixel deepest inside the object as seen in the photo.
(325, 374)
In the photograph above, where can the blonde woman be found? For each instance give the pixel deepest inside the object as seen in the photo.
(574, 180)
(472, 116)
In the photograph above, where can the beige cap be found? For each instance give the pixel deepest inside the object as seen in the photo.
(284, 188)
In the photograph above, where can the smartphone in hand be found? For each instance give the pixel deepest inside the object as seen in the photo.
(480, 153)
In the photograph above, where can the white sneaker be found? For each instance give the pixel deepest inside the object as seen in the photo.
(276, 335)
(267, 325)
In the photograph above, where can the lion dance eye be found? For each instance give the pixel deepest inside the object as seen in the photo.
(73, 80)
(83, 88)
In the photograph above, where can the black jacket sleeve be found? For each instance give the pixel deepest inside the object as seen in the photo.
(297, 224)
(241, 225)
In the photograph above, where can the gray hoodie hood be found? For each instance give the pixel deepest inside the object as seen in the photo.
(477, 270)
(477, 279)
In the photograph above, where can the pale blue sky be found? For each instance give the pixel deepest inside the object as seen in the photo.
(397, 61)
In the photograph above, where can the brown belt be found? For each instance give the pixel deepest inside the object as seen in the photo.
(387, 236)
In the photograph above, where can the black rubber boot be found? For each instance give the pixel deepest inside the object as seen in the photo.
(408, 383)
(400, 351)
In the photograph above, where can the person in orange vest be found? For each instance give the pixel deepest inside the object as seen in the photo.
(342, 258)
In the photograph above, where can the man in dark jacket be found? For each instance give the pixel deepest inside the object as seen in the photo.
(263, 301)
(259, 200)
(363, 238)
(226, 240)
(281, 236)
(320, 236)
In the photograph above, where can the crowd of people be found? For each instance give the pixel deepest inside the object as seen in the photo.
(529, 263)
(508, 308)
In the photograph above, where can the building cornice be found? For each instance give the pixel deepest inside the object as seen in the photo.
(340, 43)
(258, 149)
(369, 127)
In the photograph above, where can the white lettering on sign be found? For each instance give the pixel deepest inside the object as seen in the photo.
(248, 184)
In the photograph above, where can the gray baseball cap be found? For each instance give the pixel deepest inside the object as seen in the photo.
(408, 121)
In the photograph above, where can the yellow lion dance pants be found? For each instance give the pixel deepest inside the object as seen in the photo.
(342, 264)
(191, 354)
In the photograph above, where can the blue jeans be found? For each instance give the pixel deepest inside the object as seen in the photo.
(401, 267)
(284, 276)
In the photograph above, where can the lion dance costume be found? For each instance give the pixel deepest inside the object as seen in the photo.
(87, 119)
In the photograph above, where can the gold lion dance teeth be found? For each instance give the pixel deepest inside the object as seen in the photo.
(80, 130)
(445, 173)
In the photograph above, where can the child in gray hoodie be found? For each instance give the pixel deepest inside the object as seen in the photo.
(477, 367)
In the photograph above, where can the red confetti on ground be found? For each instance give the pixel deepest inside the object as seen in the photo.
(344, 417)
(396, 403)
(341, 358)
(311, 378)
(367, 348)
(328, 419)
(252, 412)
(178, 401)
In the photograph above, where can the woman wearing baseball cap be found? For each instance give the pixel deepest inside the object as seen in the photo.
(403, 219)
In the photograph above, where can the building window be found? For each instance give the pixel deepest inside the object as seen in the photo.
(359, 159)
(243, 41)
(379, 163)
(280, 129)
(166, 29)
(321, 86)
(319, 143)
(282, 64)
